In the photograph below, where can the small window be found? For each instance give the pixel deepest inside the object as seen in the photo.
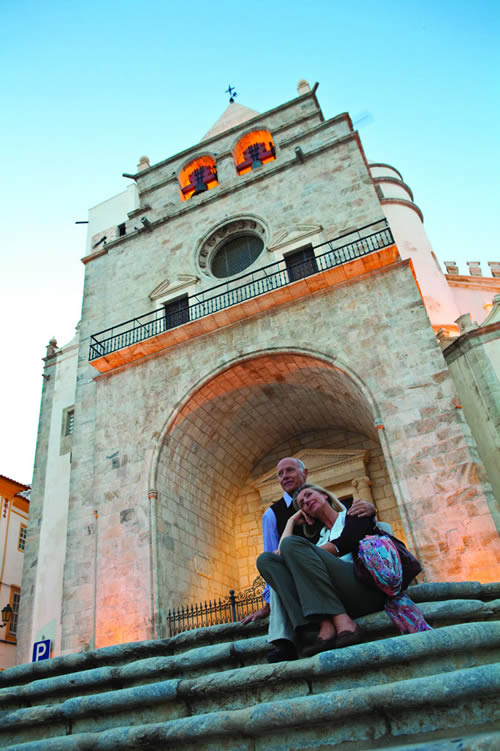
(70, 422)
(301, 263)
(177, 312)
(122, 230)
(67, 428)
(21, 543)
(15, 597)
(236, 254)
(254, 150)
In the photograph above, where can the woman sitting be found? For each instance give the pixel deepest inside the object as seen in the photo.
(316, 584)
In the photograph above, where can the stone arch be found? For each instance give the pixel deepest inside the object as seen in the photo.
(227, 433)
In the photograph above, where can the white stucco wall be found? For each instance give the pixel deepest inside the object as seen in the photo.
(384, 170)
(473, 299)
(48, 591)
(393, 190)
(111, 213)
(412, 242)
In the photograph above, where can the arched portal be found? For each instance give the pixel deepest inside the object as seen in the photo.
(224, 439)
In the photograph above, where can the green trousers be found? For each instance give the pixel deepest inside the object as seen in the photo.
(312, 583)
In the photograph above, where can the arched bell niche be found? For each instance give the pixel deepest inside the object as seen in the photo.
(197, 177)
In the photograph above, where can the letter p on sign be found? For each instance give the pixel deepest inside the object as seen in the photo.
(41, 650)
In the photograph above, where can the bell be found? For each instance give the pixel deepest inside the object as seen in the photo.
(199, 187)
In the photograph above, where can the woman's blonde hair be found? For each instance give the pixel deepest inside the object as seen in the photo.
(313, 530)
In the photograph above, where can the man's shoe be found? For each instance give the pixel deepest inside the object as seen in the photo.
(348, 638)
(282, 650)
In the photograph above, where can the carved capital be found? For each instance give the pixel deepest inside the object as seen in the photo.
(362, 487)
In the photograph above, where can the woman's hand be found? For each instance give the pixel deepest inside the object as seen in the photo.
(298, 518)
(330, 548)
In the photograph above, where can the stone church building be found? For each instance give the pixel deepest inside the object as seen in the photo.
(266, 292)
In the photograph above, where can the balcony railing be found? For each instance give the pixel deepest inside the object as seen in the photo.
(331, 253)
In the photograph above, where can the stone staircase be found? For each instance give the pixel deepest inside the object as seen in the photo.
(212, 689)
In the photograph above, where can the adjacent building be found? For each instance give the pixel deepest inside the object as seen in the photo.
(14, 511)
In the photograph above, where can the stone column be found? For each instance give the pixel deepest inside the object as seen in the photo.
(362, 489)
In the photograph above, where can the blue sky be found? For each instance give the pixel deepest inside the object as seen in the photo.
(87, 88)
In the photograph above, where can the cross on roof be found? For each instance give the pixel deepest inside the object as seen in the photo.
(232, 93)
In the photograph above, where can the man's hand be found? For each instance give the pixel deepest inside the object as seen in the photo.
(362, 508)
(262, 613)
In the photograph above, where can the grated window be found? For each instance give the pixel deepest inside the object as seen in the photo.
(236, 255)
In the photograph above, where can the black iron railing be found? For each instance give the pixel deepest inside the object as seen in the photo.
(265, 279)
(229, 610)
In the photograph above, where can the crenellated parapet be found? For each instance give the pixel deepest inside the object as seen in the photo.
(474, 269)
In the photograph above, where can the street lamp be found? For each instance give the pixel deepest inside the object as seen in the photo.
(6, 615)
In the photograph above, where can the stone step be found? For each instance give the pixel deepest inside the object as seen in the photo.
(369, 665)
(459, 601)
(475, 742)
(363, 718)
(443, 603)
(250, 648)
(212, 688)
(54, 681)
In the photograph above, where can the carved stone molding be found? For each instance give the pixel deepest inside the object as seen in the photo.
(293, 235)
(342, 471)
(168, 287)
(221, 234)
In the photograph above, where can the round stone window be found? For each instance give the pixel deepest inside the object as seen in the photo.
(236, 254)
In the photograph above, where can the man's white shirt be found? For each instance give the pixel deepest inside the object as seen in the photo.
(270, 534)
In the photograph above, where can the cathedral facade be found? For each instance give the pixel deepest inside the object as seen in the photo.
(267, 292)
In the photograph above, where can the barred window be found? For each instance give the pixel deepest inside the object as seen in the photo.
(236, 255)
(70, 422)
(177, 312)
(301, 263)
(15, 598)
(21, 543)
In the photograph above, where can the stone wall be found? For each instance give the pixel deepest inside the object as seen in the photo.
(192, 423)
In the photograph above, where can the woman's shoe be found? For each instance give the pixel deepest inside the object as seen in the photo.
(319, 645)
(348, 638)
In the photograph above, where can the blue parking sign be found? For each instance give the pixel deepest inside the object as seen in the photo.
(41, 650)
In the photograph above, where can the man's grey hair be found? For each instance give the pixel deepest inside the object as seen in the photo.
(301, 465)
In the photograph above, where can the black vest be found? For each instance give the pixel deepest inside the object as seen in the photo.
(282, 513)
